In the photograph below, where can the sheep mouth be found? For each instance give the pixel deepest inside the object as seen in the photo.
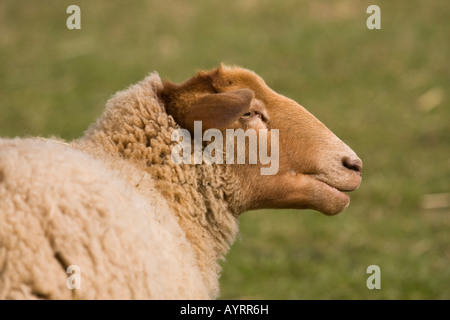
(348, 185)
(330, 199)
(336, 190)
(342, 190)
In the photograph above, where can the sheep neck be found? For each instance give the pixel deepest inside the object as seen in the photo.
(136, 131)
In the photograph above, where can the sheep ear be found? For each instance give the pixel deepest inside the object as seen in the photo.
(218, 110)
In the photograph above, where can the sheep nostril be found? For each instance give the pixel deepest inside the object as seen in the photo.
(354, 164)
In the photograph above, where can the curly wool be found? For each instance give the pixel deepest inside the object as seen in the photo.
(61, 207)
(114, 204)
(136, 127)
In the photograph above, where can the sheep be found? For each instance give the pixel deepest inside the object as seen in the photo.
(137, 224)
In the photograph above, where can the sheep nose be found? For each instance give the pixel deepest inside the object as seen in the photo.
(354, 164)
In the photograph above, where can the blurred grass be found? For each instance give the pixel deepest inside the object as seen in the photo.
(384, 92)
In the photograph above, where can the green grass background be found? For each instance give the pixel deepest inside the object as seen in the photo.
(384, 92)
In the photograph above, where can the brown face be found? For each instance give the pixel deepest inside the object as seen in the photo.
(315, 166)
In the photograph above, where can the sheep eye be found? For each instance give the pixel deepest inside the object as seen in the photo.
(251, 114)
(247, 115)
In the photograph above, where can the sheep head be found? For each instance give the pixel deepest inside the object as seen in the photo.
(315, 167)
